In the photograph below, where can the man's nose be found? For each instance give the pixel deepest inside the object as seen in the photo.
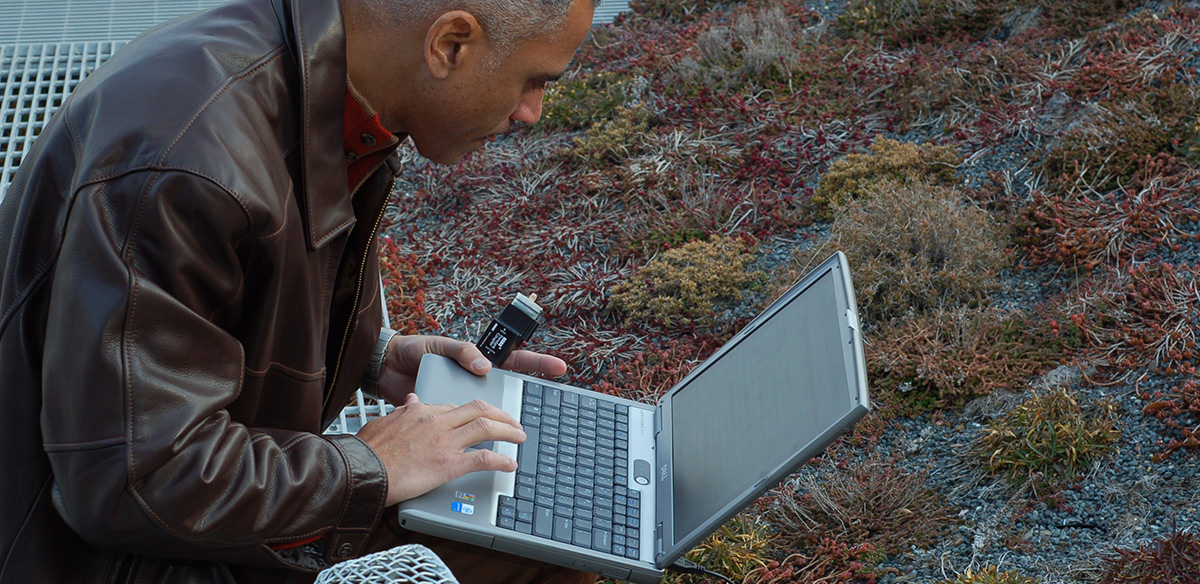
(529, 109)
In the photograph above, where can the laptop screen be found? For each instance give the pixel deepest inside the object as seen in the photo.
(758, 405)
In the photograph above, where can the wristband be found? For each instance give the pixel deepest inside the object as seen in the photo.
(370, 380)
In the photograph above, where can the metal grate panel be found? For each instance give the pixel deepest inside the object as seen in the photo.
(608, 10)
(64, 21)
(34, 81)
(356, 416)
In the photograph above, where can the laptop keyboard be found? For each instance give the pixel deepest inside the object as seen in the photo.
(574, 488)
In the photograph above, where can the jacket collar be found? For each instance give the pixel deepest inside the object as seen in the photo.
(317, 38)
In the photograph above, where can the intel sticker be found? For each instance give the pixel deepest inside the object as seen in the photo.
(464, 508)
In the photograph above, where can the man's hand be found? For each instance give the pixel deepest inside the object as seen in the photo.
(399, 373)
(423, 446)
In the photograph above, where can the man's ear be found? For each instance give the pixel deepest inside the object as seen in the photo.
(453, 40)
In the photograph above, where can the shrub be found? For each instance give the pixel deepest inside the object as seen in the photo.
(740, 546)
(1049, 438)
(830, 562)
(404, 289)
(608, 142)
(1178, 408)
(1143, 314)
(648, 374)
(678, 10)
(990, 575)
(908, 21)
(902, 21)
(699, 206)
(1123, 66)
(858, 175)
(875, 502)
(1106, 151)
(915, 248)
(748, 54)
(949, 88)
(1190, 145)
(1175, 559)
(577, 103)
(1076, 18)
(1083, 229)
(683, 286)
(947, 357)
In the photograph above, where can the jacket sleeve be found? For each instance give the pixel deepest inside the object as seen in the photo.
(137, 378)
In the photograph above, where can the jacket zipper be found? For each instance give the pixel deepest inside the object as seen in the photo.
(353, 316)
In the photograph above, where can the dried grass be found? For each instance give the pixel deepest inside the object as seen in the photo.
(874, 502)
(915, 248)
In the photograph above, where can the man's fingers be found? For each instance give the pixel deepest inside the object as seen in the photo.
(467, 354)
(484, 429)
(464, 413)
(413, 347)
(484, 459)
(476, 460)
(481, 459)
(531, 362)
(412, 402)
(470, 358)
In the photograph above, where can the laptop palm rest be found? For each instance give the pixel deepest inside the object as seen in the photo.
(472, 498)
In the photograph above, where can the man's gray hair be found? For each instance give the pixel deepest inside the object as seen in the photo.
(506, 22)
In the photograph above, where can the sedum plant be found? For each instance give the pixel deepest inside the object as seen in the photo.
(1049, 439)
(990, 575)
(685, 285)
(858, 175)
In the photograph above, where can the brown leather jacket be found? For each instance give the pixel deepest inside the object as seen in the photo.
(189, 296)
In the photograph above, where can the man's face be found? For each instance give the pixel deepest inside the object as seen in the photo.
(480, 101)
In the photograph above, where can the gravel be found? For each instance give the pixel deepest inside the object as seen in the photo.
(1125, 500)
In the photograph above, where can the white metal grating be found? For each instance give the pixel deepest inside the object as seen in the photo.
(35, 79)
(608, 10)
(67, 21)
(355, 416)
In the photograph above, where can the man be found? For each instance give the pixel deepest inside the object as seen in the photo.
(190, 289)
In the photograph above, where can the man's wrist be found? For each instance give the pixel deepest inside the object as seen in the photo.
(370, 380)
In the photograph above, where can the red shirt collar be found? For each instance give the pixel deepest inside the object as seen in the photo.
(364, 139)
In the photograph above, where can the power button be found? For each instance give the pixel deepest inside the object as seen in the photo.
(641, 472)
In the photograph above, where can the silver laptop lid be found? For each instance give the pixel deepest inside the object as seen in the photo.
(760, 407)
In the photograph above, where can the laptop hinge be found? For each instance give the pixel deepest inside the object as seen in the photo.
(658, 542)
(658, 416)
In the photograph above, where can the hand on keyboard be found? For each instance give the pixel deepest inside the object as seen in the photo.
(423, 446)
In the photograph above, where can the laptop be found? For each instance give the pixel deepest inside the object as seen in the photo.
(624, 489)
